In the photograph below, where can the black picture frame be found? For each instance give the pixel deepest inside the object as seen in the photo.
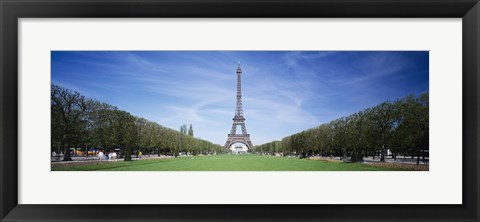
(11, 11)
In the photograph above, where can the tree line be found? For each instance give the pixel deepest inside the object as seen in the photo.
(77, 121)
(402, 127)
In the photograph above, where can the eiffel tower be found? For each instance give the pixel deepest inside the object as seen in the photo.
(238, 119)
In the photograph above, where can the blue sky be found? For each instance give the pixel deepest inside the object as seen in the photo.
(284, 92)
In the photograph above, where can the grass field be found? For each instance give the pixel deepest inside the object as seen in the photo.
(248, 162)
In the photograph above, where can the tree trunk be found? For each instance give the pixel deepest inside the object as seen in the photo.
(128, 154)
(382, 156)
(418, 157)
(67, 156)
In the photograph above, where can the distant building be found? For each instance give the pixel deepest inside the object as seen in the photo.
(239, 149)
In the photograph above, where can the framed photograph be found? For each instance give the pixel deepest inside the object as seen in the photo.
(226, 110)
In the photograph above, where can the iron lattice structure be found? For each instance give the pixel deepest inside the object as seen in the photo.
(238, 119)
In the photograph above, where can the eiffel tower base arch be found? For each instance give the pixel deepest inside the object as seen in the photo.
(239, 139)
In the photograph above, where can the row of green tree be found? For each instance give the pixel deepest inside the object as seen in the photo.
(77, 121)
(401, 127)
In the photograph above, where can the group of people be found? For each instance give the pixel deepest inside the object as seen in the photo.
(111, 156)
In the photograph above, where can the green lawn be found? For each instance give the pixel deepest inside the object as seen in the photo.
(247, 162)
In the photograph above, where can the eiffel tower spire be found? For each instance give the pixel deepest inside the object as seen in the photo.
(239, 109)
(238, 119)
